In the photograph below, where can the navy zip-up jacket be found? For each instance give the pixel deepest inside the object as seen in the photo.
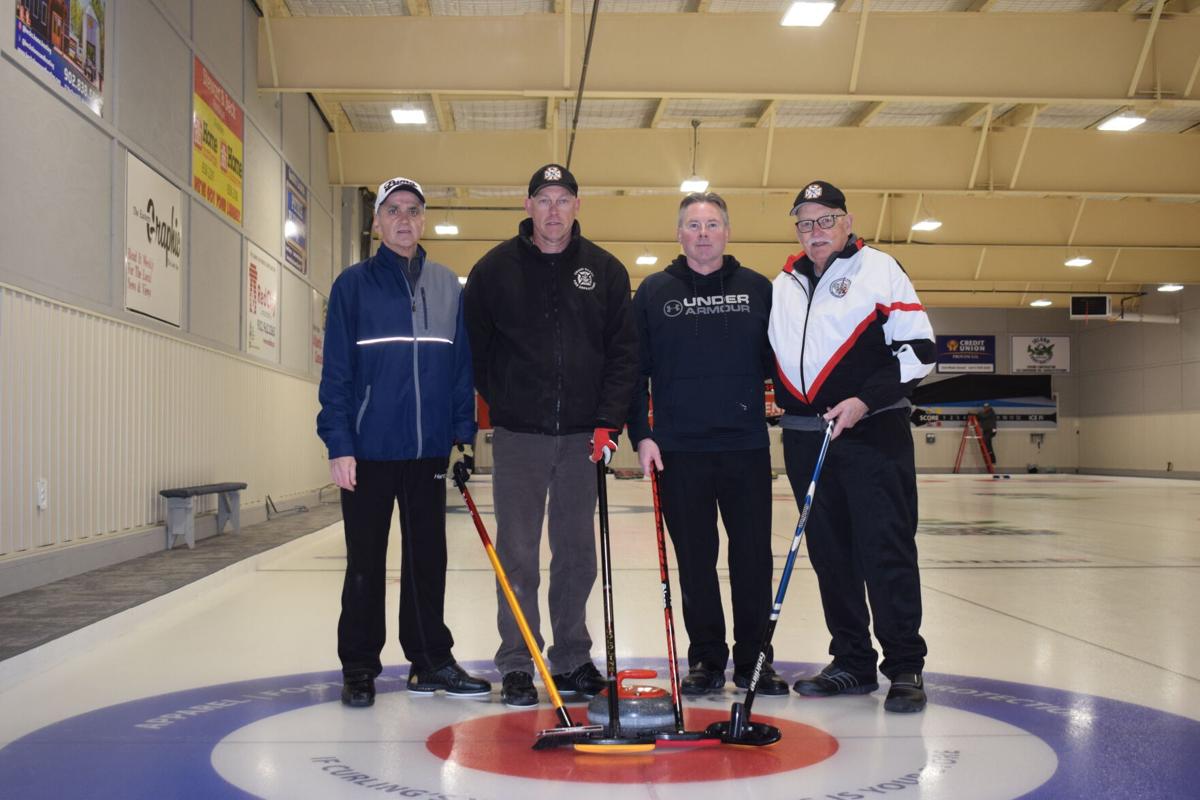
(396, 378)
(704, 357)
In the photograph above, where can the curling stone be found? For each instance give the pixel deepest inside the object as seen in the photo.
(640, 708)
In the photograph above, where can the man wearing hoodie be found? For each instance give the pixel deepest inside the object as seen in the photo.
(555, 355)
(704, 354)
(395, 395)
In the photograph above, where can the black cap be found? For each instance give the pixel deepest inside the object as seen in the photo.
(553, 175)
(820, 192)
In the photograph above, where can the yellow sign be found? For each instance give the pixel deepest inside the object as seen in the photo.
(217, 122)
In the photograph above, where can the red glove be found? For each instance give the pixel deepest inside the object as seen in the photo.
(604, 444)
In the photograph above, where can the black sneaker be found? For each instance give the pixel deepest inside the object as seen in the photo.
(907, 694)
(835, 680)
(584, 680)
(452, 679)
(517, 690)
(358, 691)
(702, 679)
(769, 682)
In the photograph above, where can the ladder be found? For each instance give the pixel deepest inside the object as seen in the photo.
(972, 431)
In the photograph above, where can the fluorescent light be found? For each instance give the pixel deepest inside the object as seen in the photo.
(649, 260)
(694, 184)
(1077, 261)
(408, 116)
(927, 224)
(1171, 287)
(1041, 303)
(1121, 122)
(462, 280)
(446, 229)
(290, 228)
(807, 14)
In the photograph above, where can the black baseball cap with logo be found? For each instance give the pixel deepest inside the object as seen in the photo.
(553, 175)
(822, 193)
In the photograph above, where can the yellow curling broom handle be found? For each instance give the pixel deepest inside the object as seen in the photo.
(530, 642)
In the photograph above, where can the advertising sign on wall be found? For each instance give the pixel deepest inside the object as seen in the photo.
(966, 354)
(153, 243)
(295, 225)
(66, 39)
(217, 128)
(262, 304)
(320, 307)
(1048, 354)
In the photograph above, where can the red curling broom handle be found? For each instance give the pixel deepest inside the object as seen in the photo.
(668, 615)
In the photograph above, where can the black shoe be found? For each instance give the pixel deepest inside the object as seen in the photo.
(907, 694)
(702, 679)
(584, 680)
(835, 680)
(452, 679)
(358, 691)
(517, 690)
(769, 682)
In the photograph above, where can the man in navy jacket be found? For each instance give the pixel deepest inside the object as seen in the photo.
(396, 394)
(702, 327)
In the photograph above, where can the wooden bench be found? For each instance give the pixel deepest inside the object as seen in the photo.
(181, 509)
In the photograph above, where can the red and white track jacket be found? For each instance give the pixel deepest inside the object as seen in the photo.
(858, 331)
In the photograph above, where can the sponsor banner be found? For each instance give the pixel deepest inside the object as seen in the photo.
(217, 128)
(966, 354)
(1047, 354)
(295, 224)
(153, 243)
(320, 308)
(1012, 412)
(262, 305)
(66, 39)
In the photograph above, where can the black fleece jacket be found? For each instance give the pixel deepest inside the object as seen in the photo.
(552, 337)
(704, 355)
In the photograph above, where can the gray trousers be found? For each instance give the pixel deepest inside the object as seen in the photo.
(528, 467)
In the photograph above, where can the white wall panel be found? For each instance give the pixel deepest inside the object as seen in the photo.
(320, 248)
(295, 330)
(214, 278)
(264, 193)
(218, 38)
(318, 175)
(110, 413)
(154, 87)
(295, 134)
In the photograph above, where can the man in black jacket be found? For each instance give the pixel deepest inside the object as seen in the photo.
(702, 326)
(555, 356)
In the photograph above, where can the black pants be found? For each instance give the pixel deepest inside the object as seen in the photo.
(419, 486)
(862, 532)
(693, 486)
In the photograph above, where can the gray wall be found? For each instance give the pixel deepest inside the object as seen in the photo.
(61, 208)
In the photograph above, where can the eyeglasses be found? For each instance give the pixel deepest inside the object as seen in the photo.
(825, 223)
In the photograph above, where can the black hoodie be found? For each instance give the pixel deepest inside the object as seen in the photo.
(704, 355)
(553, 343)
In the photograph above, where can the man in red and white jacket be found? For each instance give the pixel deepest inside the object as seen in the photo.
(851, 340)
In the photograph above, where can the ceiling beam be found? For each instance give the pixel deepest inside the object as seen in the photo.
(981, 5)
(858, 44)
(968, 114)
(928, 159)
(1141, 63)
(418, 8)
(866, 114)
(994, 56)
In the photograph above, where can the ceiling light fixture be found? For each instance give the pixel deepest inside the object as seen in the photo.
(1077, 261)
(647, 260)
(462, 280)
(1171, 287)
(408, 116)
(446, 229)
(1121, 122)
(927, 224)
(694, 183)
(807, 14)
(1041, 302)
